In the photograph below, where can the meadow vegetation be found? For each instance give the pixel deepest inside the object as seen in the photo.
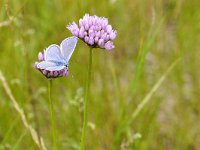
(144, 93)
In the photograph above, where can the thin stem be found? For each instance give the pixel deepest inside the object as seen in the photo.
(86, 97)
(51, 109)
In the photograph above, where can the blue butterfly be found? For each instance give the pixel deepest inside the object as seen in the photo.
(57, 57)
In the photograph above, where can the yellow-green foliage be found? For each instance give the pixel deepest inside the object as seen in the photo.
(152, 34)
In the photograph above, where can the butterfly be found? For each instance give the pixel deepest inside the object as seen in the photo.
(56, 57)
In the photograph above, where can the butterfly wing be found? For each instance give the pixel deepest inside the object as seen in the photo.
(55, 57)
(46, 64)
(53, 53)
(51, 66)
(56, 68)
(67, 47)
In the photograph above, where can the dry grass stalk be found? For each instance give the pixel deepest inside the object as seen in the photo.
(36, 138)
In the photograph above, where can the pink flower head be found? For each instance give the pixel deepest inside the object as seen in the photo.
(94, 31)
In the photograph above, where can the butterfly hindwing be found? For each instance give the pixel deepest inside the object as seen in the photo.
(51, 66)
(46, 64)
(56, 68)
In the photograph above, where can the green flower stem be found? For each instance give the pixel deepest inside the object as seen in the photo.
(86, 97)
(51, 109)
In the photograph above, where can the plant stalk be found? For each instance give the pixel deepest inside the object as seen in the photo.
(86, 98)
(51, 109)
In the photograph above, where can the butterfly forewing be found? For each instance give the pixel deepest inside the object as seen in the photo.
(53, 53)
(67, 47)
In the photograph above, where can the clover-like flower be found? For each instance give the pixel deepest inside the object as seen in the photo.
(94, 31)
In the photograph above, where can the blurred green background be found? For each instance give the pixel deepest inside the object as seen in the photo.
(152, 34)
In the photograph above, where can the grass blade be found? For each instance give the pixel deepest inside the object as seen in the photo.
(153, 90)
(16, 145)
(128, 120)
